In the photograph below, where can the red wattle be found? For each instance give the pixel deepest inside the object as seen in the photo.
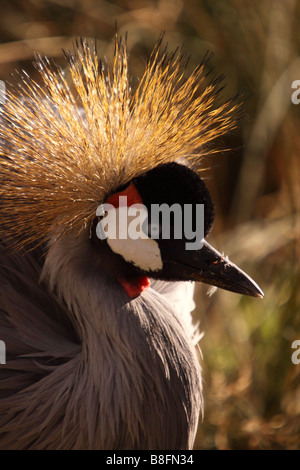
(136, 286)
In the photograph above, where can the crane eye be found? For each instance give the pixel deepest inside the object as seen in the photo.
(153, 230)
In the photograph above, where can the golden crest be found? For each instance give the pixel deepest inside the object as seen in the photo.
(66, 146)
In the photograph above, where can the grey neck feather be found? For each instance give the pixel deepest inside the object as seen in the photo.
(139, 366)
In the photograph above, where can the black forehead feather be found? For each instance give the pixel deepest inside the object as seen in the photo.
(174, 183)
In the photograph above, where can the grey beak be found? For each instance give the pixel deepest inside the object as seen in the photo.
(219, 271)
(209, 266)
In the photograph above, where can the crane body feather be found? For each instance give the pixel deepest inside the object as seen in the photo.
(91, 370)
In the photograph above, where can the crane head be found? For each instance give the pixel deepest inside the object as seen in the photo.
(69, 148)
(156, 226)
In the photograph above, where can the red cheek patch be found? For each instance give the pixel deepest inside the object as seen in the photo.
(132, 194)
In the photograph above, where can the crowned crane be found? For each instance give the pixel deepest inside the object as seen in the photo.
(100, 348)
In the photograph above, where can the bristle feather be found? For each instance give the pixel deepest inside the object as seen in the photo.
(63, 152)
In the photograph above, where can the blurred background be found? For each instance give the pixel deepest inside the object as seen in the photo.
(251, 386)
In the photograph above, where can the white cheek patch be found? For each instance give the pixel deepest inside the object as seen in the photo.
(130, 241)
(143, 253)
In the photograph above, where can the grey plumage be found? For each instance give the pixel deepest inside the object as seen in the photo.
(103, 373)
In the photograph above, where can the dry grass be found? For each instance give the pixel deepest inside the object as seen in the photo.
(252, 388)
